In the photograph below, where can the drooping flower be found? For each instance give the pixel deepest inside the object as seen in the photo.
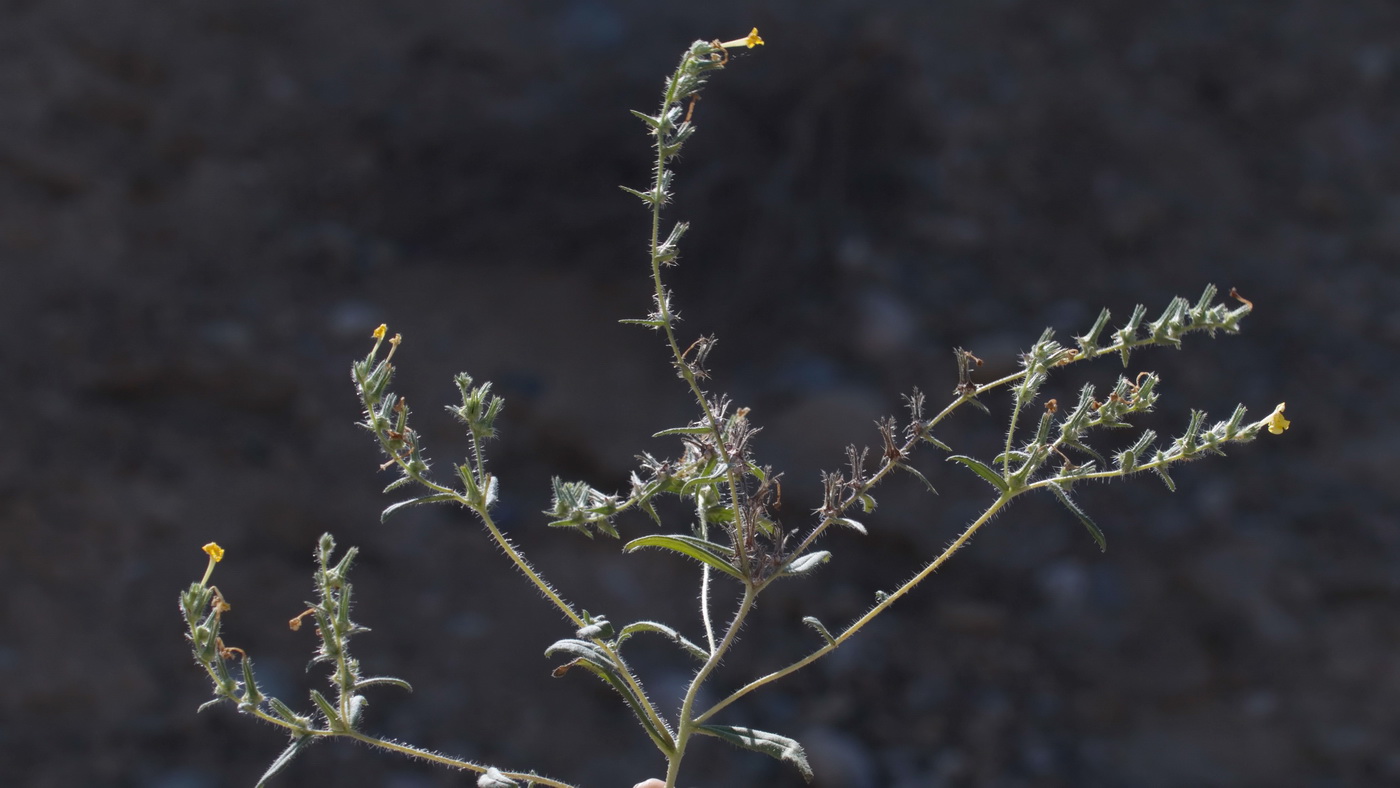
(1277, 423)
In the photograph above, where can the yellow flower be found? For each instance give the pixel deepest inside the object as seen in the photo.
(215, 551)
(380, 332)
(751, 40)
(1277, 423)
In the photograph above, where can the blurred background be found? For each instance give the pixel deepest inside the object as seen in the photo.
(206, 207)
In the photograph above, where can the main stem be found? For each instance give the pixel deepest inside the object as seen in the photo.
(687, 725)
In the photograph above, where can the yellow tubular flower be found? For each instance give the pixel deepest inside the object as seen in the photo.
(1277, 423)
(751, 40)
(215, 551)
(380, 332)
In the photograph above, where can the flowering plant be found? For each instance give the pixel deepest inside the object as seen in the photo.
(735, 537)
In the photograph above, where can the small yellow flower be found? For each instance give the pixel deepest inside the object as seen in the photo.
(380, 332)
(1277, 423)
(751, 40)
(215, 551)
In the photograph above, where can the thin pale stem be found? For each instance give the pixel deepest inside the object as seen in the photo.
(865, 619)
(687, 726)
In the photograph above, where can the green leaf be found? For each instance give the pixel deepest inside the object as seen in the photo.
(636, 321)
(770, 744)
(867, 502)
(597, 661)
(298, 744)
(661, 629)
(370, 682)
(691, 430)
(653, 122)
(917, 475)
(849, 523)
(711, 553)
(981, 469)
(815, 623)
(1074, 509)
(806, 563)
(435, 498)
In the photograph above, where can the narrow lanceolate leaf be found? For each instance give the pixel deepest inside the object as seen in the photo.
(1166, 478)
(917, 475)
(815, 623)
(1074, 509)
(649, 322)
(806, 563)
(595, 660)
(849, 523)
(298, 744)
(661, 629)
(435, 498)
(710, 553)
(981, 469)
(376, 680)
(770, 744)
(691, 430)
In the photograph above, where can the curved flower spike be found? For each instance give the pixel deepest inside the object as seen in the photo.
(751, 40)
(1277, 423)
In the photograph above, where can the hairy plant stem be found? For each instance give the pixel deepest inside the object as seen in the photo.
(686, 726)
(857, 625)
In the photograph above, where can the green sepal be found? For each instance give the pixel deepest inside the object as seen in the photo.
(815, 623)
(251, 695)
(291, 717)
(981, 469)
(804, 564)
(1084, 518)
(770, 744)
(910, 469)
(706, 552)
(298, 744)
(434, 498)
(597, 661)
(661, 629)
(333, 720)
(1161, 471)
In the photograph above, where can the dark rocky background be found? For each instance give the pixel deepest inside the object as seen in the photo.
(205, 207)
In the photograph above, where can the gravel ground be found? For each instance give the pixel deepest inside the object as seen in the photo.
(206, 207)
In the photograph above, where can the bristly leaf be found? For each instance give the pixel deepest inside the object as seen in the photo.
(1166, 479)
(770, 744)
(910, 469)
(981, 469)
(390, 680)
(849, 523)
(815, 623)
(598, 662)
(711, 553)
(435, 498)
(661, 629)
(806, 563)
(298, 744)
(1074, 509)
